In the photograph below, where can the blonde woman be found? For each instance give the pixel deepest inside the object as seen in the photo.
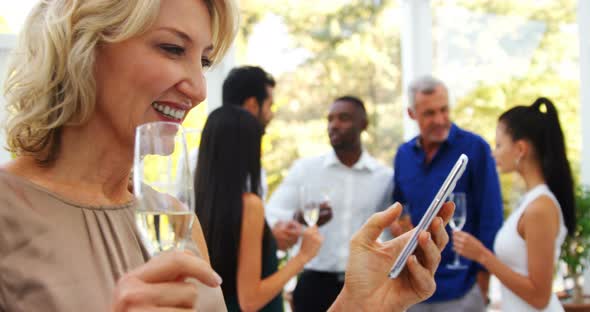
(86, 73)
(84, 76)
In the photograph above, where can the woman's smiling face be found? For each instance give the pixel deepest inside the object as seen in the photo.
(157, 76)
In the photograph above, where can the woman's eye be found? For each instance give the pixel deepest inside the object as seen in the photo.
(172, 49)
(206, 62)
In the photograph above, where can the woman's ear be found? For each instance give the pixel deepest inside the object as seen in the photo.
(251, 105)
(523, 148)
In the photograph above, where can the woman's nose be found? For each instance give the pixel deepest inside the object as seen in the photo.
(194, 86)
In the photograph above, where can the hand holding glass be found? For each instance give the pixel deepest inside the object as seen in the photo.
(163, 187)
(457, 222)
(312, 198)
(446, 188)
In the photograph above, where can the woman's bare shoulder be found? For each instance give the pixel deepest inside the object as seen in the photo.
(253, 205)
(542, 207)
(541, 216)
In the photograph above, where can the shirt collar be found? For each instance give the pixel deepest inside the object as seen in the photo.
(452, 138)
(364, 162)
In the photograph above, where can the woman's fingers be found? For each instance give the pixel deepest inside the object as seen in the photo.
(131, 292)
(162, 283)
(429, 252)
(446, 212)
(170, 266)
(377, 223)
(422, 278)
(178, 295)
(439, 234)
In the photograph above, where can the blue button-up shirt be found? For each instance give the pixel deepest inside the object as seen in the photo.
(416, 183)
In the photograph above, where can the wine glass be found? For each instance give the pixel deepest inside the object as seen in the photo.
(193, 139)
(457, 222)
(163, 187)
(311, 199)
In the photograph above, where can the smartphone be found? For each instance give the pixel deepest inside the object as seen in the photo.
(443, 193)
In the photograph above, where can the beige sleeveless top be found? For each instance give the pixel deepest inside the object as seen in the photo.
(56, 255)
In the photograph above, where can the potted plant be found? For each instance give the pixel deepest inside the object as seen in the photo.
(575, 252)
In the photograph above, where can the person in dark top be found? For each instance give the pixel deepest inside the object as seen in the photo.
(421, 165)
(241, 245)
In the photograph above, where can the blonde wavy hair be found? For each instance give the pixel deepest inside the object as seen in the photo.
(50, 80)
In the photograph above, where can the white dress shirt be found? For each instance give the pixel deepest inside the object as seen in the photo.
(355, 194)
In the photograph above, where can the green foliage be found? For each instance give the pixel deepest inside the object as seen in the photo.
(575, 250)
(479, 110)
(355, 49)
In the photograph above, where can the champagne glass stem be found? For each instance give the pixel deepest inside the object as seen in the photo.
(456, 262)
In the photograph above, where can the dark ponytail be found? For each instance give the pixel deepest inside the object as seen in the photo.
(543, 131)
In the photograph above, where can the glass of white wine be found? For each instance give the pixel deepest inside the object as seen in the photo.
(163, 187)
(311, 199)
(457, 222)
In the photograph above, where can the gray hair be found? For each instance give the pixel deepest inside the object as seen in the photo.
(425, 85)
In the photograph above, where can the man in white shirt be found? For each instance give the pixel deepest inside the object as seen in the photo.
(359, 185)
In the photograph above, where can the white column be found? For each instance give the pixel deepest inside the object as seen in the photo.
(215, 79)
(7, 42)
(583, 26)
(416, 41)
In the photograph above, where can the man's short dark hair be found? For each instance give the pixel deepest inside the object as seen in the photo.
(355, 101)
(245, 82)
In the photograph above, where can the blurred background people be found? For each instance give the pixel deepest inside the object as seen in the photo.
(421, 166)
(357, 184)
(241, 245)
(252, 88)
(529, 141)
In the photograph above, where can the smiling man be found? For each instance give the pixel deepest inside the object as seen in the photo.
(358, 186)
(421, 165)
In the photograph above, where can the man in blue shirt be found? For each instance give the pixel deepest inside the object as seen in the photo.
(420, 167)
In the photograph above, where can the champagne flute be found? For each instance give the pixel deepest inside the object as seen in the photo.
(193, 139)
(163, 187)
(311, 200)
(457, 222)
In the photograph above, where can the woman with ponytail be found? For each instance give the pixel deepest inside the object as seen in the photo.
(529, 141)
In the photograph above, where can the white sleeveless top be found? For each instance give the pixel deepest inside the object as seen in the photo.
(510, 248)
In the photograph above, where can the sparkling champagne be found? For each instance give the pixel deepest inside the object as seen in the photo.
(163, 230)
(311, 215)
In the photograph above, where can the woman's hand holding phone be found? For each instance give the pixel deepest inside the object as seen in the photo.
(443, 193)
(367, 286)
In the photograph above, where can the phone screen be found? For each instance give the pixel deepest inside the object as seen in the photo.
(445, 190)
